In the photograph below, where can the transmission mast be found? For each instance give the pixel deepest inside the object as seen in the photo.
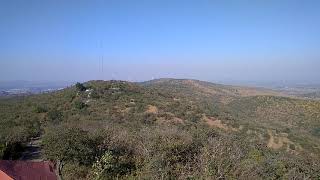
(101, 59)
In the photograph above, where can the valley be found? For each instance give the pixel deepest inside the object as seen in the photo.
(166, 128)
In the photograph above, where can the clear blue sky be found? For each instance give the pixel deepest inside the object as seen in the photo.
(225, 40)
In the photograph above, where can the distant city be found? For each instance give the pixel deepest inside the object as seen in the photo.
(22, 88)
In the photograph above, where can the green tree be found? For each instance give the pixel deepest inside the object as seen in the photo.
(68, 145)
(80, 87)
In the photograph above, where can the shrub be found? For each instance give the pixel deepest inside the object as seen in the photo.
(104, 165)
(95, 94)
(68, 144)
(40, 109)
(79, 104)
(55, 115)
(80, 87)
(316, 131)
(33, 127)
(75, 171)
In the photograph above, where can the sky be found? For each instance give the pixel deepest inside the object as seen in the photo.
(137, 40)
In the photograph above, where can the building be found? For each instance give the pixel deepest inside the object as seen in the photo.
(27, 170)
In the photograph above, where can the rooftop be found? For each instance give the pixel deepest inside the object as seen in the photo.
(27, 170)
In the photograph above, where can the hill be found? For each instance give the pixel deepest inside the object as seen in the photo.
(167, 128)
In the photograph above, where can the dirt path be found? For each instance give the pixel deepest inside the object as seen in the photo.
(32, 151)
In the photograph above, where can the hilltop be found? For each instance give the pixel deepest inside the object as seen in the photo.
(167, 128)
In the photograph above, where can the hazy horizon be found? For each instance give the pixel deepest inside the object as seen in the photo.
(216, 41)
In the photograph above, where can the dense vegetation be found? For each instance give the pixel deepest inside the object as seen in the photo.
(166, 129)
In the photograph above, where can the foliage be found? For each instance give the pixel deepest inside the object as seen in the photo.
(40, 109)
(115, 134)
(79, 105)
(74, 171)
(55, 115)
(80, 87)
(68, 144)
(103, 165)
(95, 95)
(316, 131)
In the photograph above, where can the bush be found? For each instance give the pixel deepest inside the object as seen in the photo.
(74, 171)
(80, 87)
(316, 132)
(104, 165)
(55, 115)
(79, 105)
(40, 109)
(95, 94)
(33, 127)
(69, 144)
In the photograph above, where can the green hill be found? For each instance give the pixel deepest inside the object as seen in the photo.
(167, 128)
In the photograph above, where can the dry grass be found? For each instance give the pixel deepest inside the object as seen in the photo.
(152, 109)
(278, 141)
(213, 122)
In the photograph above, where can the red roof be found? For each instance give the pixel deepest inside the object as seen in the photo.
(4, 176)
(28, 170)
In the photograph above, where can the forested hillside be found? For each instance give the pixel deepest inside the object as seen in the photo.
(166, 129)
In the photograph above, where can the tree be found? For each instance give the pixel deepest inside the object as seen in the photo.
(80, 87)
(68, 145)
